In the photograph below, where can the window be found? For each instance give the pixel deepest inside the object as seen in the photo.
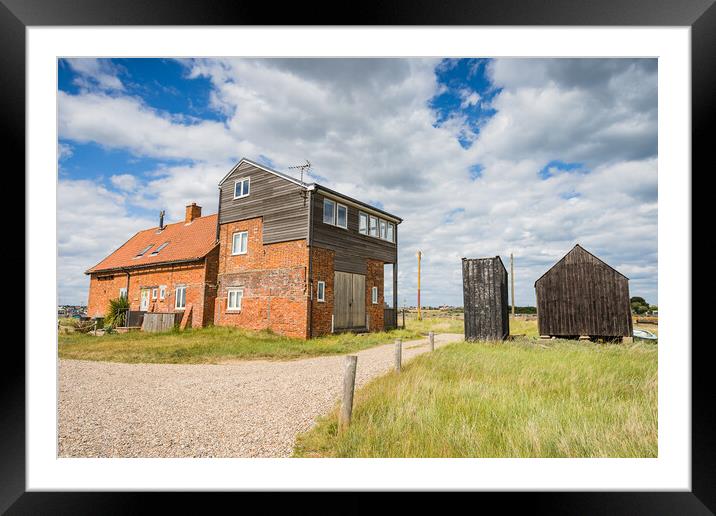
(383, 229)
(154, 253)
(240, 242)
(321, 291)
(374, 295)
(373, 226)
(342, 216)
(362, 223)
(391, 231)
(162, 291)
(242, 187)
(140, 253)
(123, 292)
(329, 211)
(180, 298)
(235, 296)
(155, 291)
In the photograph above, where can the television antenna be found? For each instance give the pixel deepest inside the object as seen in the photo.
(303, 168)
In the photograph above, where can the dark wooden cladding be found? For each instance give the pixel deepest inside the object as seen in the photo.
(485, 299)
(582, 295)
(351, 247)
(280, 202)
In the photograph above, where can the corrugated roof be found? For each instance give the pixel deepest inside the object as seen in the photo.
(186, 242)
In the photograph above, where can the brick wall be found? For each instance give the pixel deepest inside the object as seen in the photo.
(323, 270)
(374, 278)
(196, 276)
(273, 279)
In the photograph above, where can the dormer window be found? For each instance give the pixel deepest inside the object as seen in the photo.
(141, 253)
(242, 187)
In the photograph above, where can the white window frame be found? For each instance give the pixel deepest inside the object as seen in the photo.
(390, 238)
(338, 206)
(155, 292)
(383, 229)
(233, 243)
(335, 210)
(144, 251)
(162, 292)
(242, 180)
(374, 295)
(377, 226)
(154, 253)
(176, 297)
(362, 214)
(240, 296)
(321, 292)
(123, 292)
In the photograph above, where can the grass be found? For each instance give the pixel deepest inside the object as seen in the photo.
(522, 398)
(214, 345)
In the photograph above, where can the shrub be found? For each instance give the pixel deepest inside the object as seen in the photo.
(117, 312)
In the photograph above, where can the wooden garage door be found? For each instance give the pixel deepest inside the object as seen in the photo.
(349, 300)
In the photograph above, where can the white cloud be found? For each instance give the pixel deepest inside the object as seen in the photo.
(367, 127)
(125, 182)
(95, 73)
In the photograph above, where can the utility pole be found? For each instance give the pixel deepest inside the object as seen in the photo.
(512, 282)
(420, 254)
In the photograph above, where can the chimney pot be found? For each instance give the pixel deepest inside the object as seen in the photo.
(192, 212)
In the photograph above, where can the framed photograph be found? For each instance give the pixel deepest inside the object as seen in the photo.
(435, 250)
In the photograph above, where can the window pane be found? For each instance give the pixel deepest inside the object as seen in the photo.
(329, 215)
(373, 226)
(341, 219)
(383, 230)
(244, 241)
(245, 187)
(363, 223)
(237, 189)
(391, 232)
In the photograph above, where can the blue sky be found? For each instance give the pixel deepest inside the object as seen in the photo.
(479, 156)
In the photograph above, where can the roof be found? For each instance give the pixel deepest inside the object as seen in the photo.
(309, 186)
(186, 242)
(590, 254)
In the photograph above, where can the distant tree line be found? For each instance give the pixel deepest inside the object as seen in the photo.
(640, 306)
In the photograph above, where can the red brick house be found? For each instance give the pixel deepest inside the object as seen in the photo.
(169, 268)
(301, 259)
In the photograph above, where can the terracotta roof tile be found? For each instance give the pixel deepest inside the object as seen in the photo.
(186, 242)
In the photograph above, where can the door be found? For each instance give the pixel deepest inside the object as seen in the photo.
(348, 300)
(144, 302)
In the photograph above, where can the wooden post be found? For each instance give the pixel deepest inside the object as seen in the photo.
(398, 353)
(403, 317)
(512, 282)
(431, 336)
(349, 383)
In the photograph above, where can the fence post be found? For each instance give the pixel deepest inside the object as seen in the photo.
(403, 317)
(349, 382)
(398, 353)
(431, 336)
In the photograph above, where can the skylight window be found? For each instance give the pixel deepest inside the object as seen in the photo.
(141, 253)
(154, 253)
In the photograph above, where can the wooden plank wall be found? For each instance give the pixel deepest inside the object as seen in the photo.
(485, 299)
(156, 321)
(581, 295)
(277, 200)
(351, 247)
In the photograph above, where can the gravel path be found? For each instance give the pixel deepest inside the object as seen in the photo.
(243, 409)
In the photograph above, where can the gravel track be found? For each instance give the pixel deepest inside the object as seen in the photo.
(242, 409)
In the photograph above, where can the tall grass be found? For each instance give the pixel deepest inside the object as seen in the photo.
(524, 398)
(214, 345)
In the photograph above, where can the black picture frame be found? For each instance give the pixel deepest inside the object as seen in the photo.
(700, 15)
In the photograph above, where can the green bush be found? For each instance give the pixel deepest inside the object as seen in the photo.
(117, 312)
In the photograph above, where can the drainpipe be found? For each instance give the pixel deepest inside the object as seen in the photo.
(218, 217)
(309, 280)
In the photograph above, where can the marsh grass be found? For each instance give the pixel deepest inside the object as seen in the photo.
(524, 398)
(214, 345)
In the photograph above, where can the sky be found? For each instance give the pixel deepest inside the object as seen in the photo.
(480, 157)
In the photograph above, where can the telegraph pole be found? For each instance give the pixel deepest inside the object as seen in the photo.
(512, 282)
(420, 254)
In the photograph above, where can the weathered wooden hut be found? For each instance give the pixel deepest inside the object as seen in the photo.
(485, 299)
(582, 295)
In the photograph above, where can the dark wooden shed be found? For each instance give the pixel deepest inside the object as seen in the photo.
(485, 299)
(582, 295)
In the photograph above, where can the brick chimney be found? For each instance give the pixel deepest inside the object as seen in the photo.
(192, 212)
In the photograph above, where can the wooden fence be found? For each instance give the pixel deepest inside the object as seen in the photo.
(156, 321)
